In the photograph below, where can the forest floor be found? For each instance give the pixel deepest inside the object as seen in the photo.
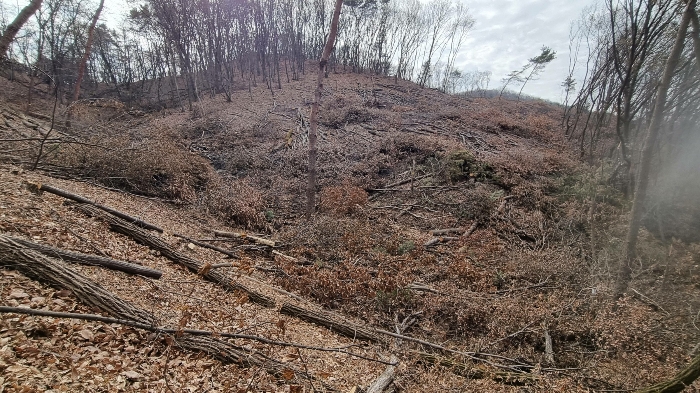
(536, 240)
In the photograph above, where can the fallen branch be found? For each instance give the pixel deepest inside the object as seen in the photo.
(522, 330)
(402, 182)
(37, 188)
(331, 321)
(471, 229)
(143, 237)
(91, 260)
(275, 252)
(436, 240)
(439, 232)
(385, 379)
(206, 245)
(256, 239)
(468, 371)
(515, 366)
(193, 332)
(650, 302)
(420, 287)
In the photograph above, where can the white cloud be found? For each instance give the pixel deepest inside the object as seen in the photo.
(508, 33)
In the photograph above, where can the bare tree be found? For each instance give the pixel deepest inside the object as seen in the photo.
(86, 54)
(313, 126)
(625, 271)
(11, 31)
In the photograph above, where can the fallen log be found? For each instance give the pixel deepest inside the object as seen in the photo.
(37, 188)
(471, 229)
(39, 267)
(436, 240)
(207, 245)
(420, 287)
(52, 272)
(91, 260)
(332, 321)
(193, 332)
(385, 379)
(680, 381)
(143, 237)
(241, 235)
(275, 252)
(442, 232)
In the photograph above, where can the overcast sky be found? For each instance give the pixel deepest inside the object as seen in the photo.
(506, 34)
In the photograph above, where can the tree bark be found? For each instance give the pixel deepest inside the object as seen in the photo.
(156, 243)
(332, 322)
(313, 129)
(38, 187)
(11, 31)
(85, 259)
(625, 271)
(86, 55)
(680, 381)
(385, 379)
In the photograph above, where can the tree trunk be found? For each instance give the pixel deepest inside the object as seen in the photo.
(37, 188)
(13, 28)
(313, 131)
(332, 321)
(680, 381)
(85, 259)
(86, 55)
(625, 272)
(385, 379)
(156, 243)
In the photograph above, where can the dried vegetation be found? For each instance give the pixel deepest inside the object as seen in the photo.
(396, 162)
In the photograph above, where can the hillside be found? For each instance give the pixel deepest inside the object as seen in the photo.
(530, 241)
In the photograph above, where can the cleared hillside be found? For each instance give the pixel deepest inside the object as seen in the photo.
(524, 254)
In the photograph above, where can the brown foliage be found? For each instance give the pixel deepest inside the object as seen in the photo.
(236, 201)
(155, 166)
(343, 199)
